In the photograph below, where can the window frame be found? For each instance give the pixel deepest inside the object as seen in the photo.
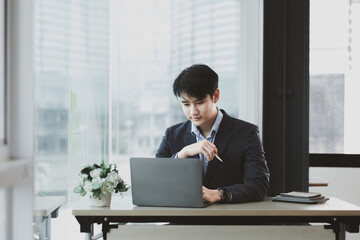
(19, 102)
(3, 95)
(286, 98)
(334, 160)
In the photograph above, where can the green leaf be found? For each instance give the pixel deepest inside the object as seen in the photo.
(121, 187)
(103, 173)
(97, 193)
(78, 189)
(83, 192)
(86, 170)
(95, 186)
(103, 166)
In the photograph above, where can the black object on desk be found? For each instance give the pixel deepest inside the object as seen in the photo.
(300, 197)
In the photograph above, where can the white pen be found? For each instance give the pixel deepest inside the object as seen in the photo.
(218, 158)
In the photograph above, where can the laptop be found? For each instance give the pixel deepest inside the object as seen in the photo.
(167, 182)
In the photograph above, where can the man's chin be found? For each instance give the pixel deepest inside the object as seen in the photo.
(196, 123)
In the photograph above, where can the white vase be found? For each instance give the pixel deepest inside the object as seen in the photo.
(104, 201)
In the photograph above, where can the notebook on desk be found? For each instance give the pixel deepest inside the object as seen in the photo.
(166, 182)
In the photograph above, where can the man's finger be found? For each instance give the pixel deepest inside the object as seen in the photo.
(205, 152)
(213, 147)
(211, 153)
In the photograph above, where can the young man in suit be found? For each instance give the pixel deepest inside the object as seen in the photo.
(241, 173)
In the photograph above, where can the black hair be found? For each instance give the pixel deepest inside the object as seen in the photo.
(197, 81)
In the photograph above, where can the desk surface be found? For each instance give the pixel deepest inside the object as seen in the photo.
(123, 207)
(44, 206)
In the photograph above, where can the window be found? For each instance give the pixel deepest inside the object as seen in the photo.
(151, 44)
(104, 70)
(71, 60)
(72, 85)
(334, 76)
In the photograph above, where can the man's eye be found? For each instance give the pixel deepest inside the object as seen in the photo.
(199, 103)
(186, 104)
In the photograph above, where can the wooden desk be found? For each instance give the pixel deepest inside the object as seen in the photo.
(339, 215)
(45, 208)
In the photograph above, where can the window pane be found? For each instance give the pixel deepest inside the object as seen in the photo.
(151, 44)
(71, 51)
(72, 76)
(141, 45)
(334, 76)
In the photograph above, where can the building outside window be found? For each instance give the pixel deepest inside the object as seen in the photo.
(334, 76)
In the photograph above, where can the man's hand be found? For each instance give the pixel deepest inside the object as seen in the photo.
(205, 147)
(211, 195)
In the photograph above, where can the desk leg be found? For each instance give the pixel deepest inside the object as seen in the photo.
(339, 229)
(43, 227)
(47, 222)
(89, 235)
(86, 226)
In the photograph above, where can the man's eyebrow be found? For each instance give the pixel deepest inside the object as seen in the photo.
(196, 100)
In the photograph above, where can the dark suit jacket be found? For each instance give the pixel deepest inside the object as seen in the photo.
(244, 171)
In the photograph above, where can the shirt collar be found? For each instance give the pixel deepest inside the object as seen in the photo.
(215, 127)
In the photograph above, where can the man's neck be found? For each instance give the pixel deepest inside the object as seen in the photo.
(205, 131)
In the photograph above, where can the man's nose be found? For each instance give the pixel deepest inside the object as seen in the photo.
(193, 110)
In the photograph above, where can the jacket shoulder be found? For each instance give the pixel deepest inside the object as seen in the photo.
(179, 128)
(240, 124)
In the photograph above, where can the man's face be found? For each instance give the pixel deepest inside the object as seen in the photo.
(201, 112)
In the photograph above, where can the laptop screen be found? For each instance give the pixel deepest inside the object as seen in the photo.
(166, 182)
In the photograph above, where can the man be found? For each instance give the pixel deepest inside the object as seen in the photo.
(234, 165)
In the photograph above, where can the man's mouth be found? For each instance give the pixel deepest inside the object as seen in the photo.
(195, 118)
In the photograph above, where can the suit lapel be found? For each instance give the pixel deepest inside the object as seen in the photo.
(222, 138)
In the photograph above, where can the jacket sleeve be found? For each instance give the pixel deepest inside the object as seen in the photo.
(256, 172)
(164, 150)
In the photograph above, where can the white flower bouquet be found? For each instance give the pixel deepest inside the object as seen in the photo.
(99, 181)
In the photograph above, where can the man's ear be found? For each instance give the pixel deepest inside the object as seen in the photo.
(216, 95)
